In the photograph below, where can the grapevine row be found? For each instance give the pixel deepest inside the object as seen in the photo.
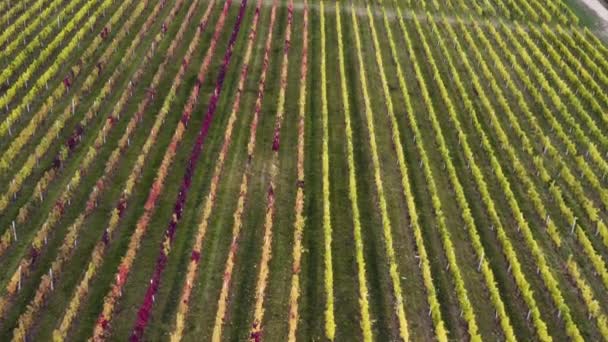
(52, 133)
(126, 263)
(469, 221)
(366, 326)
(23, 17)
(581, 40)
(46, 285)
(594, 77)
(328, 282)
(222, 303)
(546, 274)
(299, 222)
(432, 299)
(595, 310)
(41, 115)
(40, 239)
(97, 255)
(67, 150)
(262, 283)
(386, 222)
(23, 32)
(43, 57)
(520, 169)
(561, 85)
(587, 87)
(588, 205)
(208, 206)
(144, 311)
(508, 249)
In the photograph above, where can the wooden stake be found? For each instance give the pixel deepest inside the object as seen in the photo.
(573, 225)
(19, 285)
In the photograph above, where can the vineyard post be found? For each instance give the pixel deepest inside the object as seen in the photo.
(573, 225)
(14, 231)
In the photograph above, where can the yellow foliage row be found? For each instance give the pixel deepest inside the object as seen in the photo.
(100, 248)
(564, 89)
(566, 174)
(578, 39)
(530, 13)
(15, 12)
(56, 213)
(586, 84)
(461, 291)
(70, 241)
(366, 326)
(76, 21)
(547, 276)
(183, 304)
(260, 291)
(330, 324)
(300, 220)
(475, 5)
(441, 332)
(595, 310)
(156, 189)
(18, 25)
(49, 138)
(520, 169)
(554, 10)
(386, 222)
(222, 305)
(590, 75)
(58, 124)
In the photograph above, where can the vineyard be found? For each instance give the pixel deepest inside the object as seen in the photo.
(303, 170)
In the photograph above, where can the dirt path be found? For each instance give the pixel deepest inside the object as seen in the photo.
(391, 15)
(602, 13)
(598, 8)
